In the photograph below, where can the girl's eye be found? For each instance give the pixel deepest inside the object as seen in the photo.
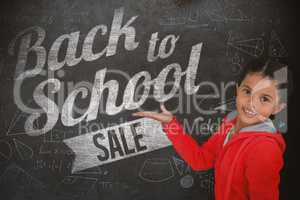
(246, 91)
(264, 99)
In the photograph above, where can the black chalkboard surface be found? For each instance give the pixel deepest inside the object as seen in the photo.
(73, 72)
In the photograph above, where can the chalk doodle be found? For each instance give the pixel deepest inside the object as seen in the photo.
(238, 15)
(228, 105)
(180, 165)
(276, 48)
(18, 117)
(16, 124)
(206, 180)
(74, 15)
(57, 135)
(25, 152)
(45, 149)
(51, 148)
(47, 20)
(54, 165)
(110, 186)
(214, 10)
(39, 164)
(234, 56)
(19, 178)
(94, 170)
(105, 186)
(187, 181)
(156, 170)
(253, 46)
(171, 18)
(188, 16)
(5, 150)
(75, 187)
(237, 59)
(207, 184)
(221, 12)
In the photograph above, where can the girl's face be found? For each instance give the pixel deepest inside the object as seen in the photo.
(257, 98)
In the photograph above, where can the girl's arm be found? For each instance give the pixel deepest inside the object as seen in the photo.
(198, 157)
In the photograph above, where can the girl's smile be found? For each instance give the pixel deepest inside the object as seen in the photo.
(249, 112)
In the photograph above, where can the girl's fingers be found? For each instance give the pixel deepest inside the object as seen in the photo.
(153, 115)
(145, 114)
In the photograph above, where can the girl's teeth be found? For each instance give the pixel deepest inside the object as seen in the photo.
(249, 112)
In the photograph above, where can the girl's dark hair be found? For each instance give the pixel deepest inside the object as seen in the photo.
(271, 69)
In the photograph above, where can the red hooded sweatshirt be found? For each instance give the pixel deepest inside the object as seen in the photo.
(246, 167)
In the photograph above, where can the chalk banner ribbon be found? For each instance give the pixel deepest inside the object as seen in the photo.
(116, 143)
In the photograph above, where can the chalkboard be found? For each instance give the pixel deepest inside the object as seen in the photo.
(73, 72)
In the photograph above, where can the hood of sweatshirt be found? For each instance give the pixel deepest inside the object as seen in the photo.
(265, 128)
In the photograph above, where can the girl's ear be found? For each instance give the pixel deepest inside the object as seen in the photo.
(279, 107)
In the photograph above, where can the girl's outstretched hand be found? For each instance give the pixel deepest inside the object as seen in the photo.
(165, 116)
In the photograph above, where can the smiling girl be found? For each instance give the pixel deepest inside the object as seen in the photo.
(247, 150)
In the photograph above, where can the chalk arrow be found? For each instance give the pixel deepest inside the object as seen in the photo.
(149, 131)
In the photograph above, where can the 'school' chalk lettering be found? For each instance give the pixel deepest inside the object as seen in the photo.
(48, 107)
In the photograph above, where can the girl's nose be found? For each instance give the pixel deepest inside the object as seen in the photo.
(253, 100)
(249, 100)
